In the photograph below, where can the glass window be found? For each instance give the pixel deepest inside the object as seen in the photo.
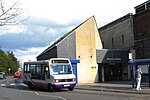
(112, 42)
(122, 39)
(25, 68)
(32, 69)
(61, 69)
(38, 69)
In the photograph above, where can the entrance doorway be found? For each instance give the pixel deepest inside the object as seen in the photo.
(113, 72)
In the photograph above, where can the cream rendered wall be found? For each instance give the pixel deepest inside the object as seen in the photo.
(87, 41)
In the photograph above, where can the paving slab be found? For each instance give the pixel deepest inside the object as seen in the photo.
(120, 87)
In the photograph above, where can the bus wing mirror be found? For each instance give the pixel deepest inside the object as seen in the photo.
(46, 69)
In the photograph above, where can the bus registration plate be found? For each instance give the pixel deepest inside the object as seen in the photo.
(66, 85)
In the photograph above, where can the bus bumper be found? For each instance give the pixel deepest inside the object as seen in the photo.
(64, 86)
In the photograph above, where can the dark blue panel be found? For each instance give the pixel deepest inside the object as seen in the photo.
(100, 72)
(139, 62)
(62, 86)
(75, 61)
(74, 66)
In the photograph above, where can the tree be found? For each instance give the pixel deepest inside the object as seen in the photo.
(14, 60)
(4, 61)
(8, 60)
(10, 12)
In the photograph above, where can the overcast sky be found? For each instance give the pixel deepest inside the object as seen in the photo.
(50, 19)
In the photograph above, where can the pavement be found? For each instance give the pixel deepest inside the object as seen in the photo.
(115, 86)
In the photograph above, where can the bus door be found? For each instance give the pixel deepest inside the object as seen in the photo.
(38, 75)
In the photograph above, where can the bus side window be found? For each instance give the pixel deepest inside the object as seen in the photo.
(32, 69)
(69, 70)
(25, 68)
(38, 71)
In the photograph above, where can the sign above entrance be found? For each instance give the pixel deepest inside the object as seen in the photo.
(112, 59)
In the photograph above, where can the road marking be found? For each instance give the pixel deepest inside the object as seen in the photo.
(44, 94)
(3, 84)
(36, 93)
(22, 84)
(50, 96)
(62, 98)
(12, 84)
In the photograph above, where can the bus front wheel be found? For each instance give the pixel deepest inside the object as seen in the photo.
(50, 88)
(71, 89)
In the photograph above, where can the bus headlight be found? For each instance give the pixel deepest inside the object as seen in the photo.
(73, 79)
(56, 80)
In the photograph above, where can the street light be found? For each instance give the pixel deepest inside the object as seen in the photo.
(9, 69)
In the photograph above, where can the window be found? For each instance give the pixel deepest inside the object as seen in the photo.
(35, 70)
(112, 43)
(25, 68)
(61, 69)
(122, 39)
(103, 44)
(32, 69)
(38, 69)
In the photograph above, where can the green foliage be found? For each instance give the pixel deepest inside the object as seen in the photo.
(8, 60)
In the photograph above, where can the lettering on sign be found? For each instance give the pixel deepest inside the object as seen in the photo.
(113, 58)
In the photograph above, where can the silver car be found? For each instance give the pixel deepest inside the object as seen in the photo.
(2, 75)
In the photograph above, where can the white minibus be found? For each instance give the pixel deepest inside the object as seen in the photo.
(52, 74)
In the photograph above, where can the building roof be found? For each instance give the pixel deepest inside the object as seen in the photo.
(143, 4)
(142, 7)
(116, 21)
(61, 38)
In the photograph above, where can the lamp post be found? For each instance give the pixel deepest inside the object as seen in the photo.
(9, 69)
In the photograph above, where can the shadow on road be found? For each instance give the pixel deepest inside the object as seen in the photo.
(17, 84)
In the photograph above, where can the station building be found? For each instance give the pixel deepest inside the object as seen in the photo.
(78, 44)
(83, 43)
(104, 53)
(118, 34)
(130, 32)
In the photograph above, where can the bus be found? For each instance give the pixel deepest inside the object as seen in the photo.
(52, 74)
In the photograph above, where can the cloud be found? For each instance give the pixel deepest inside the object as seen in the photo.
(33, 37)
(28, 54)
(50, 19)
(66, 11)
(36, 33)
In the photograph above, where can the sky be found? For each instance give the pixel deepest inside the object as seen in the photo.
(50, 19)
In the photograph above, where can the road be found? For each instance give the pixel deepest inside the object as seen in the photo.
(14, 89)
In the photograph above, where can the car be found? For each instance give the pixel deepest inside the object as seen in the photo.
(2, 75)
(17, 74)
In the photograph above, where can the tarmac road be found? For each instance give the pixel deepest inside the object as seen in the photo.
(14, 89)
